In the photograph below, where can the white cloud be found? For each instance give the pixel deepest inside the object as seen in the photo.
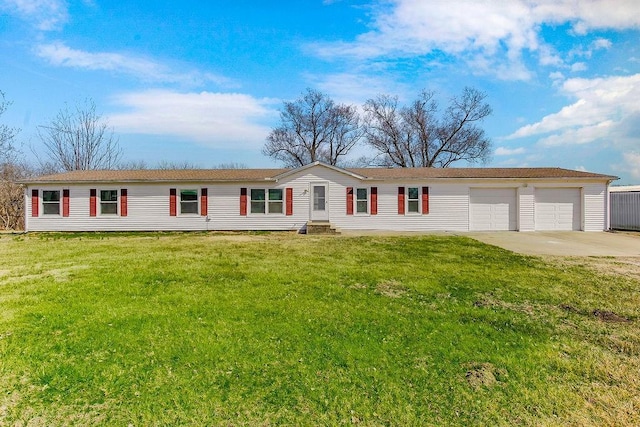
(606, 110)
(219, 120)
(578, 66)
(491, 34)
(45, 15)
(601, 44)
(355, 88)
(61, 55)
(504, 151)
(632, 164)
(556, 76)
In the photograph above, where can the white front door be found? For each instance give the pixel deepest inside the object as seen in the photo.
(319, 201)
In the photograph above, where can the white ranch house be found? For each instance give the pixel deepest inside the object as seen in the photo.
(415, 199)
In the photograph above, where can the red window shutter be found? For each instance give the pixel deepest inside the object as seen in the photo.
(123, 202)
(243, 201)
(425, 200)
(65, 202)
(349, 200)
(400, 200)
(172, 202)
(374, 200)
(204, 202)
(289, 196)
(92, 202)
(35, 203)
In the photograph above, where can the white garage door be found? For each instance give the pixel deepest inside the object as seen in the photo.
(558, 209)
(493, 209)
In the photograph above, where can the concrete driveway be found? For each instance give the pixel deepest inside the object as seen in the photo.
(564, 243)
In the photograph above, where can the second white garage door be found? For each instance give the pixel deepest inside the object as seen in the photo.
(558, 209)
(493, 209)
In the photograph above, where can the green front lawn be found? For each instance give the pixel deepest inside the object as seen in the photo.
(271, 329)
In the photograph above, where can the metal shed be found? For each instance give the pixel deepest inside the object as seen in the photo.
(625, 207)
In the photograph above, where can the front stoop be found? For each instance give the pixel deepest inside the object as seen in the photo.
(321, 227)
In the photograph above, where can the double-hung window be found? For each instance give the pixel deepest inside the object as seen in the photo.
(269, 201)
(188, 201)
(275, 201)
(51, 202)
(413, 200)
(108, 202)
(258, 204)
(362, 200)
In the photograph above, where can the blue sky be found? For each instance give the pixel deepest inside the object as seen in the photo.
(202, 82)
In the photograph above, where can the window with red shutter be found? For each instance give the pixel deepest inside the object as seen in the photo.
(204, 202)
(124, 202)
(289, 196)
(243, 201)
(35, 203)
(400, 200)
(349, 200)
(65, 202)
(92, 202)
(374, 200)
(173, 211)
(425, 200)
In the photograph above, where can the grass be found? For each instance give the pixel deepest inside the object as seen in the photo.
(279, 329)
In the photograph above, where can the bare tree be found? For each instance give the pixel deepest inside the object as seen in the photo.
(80, 139)
(12, 194)
(166, 165)
(416, 136)
(313, 128)
(7, 134)
(231, 165)
(132, 165)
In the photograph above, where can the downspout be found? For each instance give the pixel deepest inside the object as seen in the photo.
(607, 216)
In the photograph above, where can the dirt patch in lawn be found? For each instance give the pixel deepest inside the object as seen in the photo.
(484, 375)
(609, 316)
(391, 289)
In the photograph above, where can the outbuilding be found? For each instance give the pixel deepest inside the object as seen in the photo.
(399, 199)
(625, 207)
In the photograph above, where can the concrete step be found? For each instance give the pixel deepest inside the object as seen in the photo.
(321, 227)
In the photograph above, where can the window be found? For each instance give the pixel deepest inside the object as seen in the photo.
(188, 201)
(413, 200)
(362, 205)
(269, 201)
(257, 201)
(275, 200)
(51, 202)
(108, 202)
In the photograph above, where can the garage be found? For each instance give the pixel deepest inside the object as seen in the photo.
(558, 209)
(493, 209)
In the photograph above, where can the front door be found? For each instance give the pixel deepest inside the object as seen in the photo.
(320, 201)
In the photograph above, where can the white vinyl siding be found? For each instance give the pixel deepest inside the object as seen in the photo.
(595, 207)
(526, 208)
